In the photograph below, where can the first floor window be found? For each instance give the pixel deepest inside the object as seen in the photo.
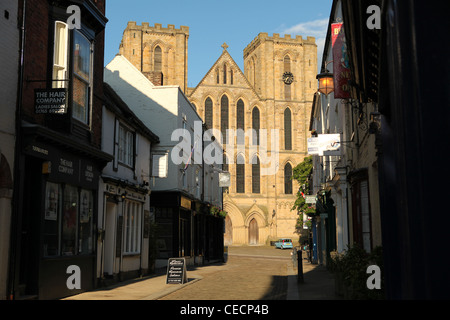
(68, 220)
(132, 221)
(60, 55)
(72, 61)
(81, 76)
(126, 146)
(361, 214)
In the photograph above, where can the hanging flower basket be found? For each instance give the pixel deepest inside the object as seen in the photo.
(217, 212)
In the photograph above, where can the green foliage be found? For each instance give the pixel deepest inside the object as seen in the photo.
(301, 173)
(217, 212)
(350, 270)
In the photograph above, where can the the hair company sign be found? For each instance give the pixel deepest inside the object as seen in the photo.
(50, 101)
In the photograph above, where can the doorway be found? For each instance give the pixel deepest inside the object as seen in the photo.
(110, 227)
(228, 236)
(253, 232)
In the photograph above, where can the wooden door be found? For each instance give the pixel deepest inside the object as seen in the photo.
(253, 234)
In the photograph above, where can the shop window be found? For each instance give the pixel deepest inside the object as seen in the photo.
(68, 220)
(132, 232)
(52, 219)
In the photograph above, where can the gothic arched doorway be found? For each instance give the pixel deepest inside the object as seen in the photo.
(253, 232)
(228, 236)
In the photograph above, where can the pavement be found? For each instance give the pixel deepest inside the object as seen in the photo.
(318, 283)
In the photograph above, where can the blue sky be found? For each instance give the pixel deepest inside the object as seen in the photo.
(213, 22)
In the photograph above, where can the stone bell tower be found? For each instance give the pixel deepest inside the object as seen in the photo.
(159, 53)
(282, 68)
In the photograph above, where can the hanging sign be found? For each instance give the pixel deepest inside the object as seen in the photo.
(325, 145)
(50, 101)
(341, 63)
(176, 271)
(224, 179)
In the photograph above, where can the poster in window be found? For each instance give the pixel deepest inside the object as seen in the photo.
(51, 203)
(85, 210)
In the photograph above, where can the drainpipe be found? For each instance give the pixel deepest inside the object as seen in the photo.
(15, 201)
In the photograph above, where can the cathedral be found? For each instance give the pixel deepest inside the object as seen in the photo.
(260, 113)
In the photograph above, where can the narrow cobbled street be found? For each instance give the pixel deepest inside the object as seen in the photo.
(251, 273)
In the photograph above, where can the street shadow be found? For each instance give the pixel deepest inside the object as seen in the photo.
(277, 289)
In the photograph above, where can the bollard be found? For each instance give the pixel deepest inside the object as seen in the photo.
(300, 266)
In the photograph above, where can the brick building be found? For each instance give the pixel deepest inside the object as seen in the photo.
(60, 157)
(9, 62)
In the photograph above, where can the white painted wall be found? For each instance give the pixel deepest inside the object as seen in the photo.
(163, 109)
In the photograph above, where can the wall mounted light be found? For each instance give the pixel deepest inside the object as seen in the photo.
(326, 83)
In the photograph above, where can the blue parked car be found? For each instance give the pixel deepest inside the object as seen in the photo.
(283, 243)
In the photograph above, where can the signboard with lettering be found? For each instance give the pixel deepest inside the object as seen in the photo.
(185, 203)
(65, 167)
(50, 101)
(325, 145)
(176, 271)
(310, 199)
(341, 63)
(224, 179)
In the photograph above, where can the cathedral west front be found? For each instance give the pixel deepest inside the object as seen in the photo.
(261, 114)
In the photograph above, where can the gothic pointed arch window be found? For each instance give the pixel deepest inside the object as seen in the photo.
(224, 117)
(231, 76)
(157, 59)
(256, 177)
(224, 73)
(255, 125)
(287, 68)
(209, 113)
(225, 167)
(288, 178)
(287, 129)
(240, 174)
(240, 122)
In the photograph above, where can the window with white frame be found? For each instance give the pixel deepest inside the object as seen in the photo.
(81, 59)
(132, 217)
(126, 146)
(60, 55)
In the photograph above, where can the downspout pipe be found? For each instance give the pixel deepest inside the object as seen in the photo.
(14, 237)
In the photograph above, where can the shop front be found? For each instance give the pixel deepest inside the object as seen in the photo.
(57, 223)
(125, 231)
(173, 217)
(186, 228)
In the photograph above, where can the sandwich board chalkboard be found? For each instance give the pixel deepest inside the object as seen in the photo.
(176, 271)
